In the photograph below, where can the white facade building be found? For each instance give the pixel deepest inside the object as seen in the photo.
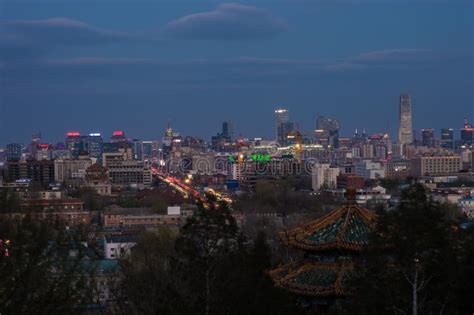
(69, 169)
(370, 170)
(118, 246)
(323, 175)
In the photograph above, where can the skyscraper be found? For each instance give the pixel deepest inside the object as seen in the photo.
(14, 151)
(447, 138)
(467, 133)
(228, 129)
(427, 137)
(283, 125)
(74, 142)
(95, 145)
(118, 136)
(137, 149)
(405, 133)
(331, 128)
(35, 140)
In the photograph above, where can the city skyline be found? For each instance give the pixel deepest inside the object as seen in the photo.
(393, 131)
(137, 66)
(249, 157)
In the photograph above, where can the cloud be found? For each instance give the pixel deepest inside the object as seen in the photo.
(389, 59)
(147, 74)
(228, 21)
(22, 39)
(62, 31)
(390, 55)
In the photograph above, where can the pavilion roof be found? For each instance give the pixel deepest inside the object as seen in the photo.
(347, 228)
(311, 278)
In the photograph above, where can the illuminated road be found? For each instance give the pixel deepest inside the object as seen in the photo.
(186, 189)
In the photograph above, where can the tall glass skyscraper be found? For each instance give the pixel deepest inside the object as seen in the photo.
(405, 133)
(447, 138)
(283, 125)
(427, 137)
(331, 128)
(228, 129)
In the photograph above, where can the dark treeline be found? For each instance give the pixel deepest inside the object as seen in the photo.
(419, 261)
(209, 268)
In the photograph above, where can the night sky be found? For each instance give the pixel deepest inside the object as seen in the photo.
(97, 66)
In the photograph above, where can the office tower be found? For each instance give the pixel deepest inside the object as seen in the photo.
(36, 137)
(228, 130)
(74, 142)
(35, 140)
(405, 133)
(167, 141)
(435, 165)
(467, 133)
(137, 149)
(150, 149)
(60, 151)
(14, 151)
(43, 151)
(41, 172)
(222, 142)
(331, 129)
(171, 141)
(427, 137)
(147, 150)
(3, 157)
(447, 138)
(283, 125)
(118, 136)
(68, 170)
(95, 145)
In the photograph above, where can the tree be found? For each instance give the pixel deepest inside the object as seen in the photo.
(244, 288)
(208, 236)
(209, 268)
(413, 264)
(151, 279)
(37, 275)
(92, 200)
(9, 201)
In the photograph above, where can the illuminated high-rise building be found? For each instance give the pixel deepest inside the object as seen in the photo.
(283, 125)
(14, 151)
(74, 142)
(405, 133)
(137, 149)
(35, 140)
(95, 145)
(467, 133)
(447, 138)
(118, 136)
(427, 137)
(331, 129)
(228, 130)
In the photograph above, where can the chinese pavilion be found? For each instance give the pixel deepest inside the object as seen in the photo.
(332, 245)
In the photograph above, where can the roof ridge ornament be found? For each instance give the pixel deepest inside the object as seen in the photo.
(351, 196)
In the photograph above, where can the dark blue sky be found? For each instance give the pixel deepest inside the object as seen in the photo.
(134, 65)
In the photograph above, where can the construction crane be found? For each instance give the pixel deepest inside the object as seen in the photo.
(297, 138)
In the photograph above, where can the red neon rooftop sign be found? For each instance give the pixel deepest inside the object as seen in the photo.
(118, 133)
(73, 134)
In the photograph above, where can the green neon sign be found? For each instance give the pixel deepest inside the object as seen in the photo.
(261, 157)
